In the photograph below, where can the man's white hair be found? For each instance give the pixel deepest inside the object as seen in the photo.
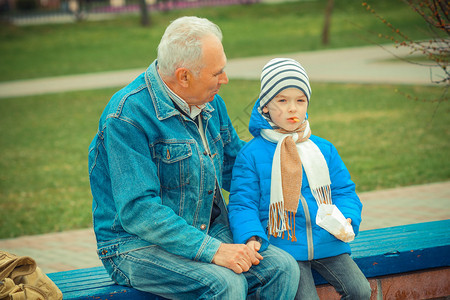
(181, 44)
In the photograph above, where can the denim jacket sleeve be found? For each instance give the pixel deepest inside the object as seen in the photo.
(136, 193)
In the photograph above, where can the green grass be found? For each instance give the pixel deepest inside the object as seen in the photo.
(43, 167)
(385, 140)
(249, 30)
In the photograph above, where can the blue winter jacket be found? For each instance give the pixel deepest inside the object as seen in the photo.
(250, 197)
(151, 177)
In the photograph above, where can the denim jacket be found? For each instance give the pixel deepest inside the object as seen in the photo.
(152, 179)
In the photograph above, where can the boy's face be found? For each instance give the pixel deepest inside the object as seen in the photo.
(288, 109)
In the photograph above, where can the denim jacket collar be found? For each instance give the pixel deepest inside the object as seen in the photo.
(163, 105)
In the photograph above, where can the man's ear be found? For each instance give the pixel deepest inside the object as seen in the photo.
(183, 76)
(265, 110)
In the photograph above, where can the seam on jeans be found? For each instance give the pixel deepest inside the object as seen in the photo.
(344, 288)
(256, 274)
(118, 271)
(139, 260)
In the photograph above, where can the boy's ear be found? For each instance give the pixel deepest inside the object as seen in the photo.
(265, 110)
(183, 76)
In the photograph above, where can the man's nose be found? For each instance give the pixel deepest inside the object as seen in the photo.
(223, 79)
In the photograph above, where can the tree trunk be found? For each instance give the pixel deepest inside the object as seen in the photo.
(326, 26)
(145, 17)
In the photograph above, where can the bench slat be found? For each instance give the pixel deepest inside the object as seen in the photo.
(79, 286)
(377, 252)
(401, 249)
(111, 292)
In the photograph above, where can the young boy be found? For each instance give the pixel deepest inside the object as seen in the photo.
(283, 175)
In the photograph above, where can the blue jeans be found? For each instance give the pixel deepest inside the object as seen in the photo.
(340, 271)
(154, 270)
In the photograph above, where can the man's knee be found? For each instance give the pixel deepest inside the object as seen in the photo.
(284, 266)
(286, 263)
(228, 286)
(276, 277)
(289, 270)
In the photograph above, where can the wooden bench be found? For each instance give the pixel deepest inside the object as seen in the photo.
(417, 254)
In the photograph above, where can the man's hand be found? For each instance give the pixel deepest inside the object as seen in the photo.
(237, 257)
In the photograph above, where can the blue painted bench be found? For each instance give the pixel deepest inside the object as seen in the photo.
(377, 252)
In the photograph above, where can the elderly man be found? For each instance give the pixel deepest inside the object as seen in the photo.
(165, 148)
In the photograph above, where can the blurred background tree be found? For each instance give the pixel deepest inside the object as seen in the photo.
(145, 16)
(326, 26)
(431, 52)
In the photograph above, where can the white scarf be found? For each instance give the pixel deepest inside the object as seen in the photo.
(316, 170)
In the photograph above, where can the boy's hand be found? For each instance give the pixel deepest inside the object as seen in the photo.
(255, 245)
(344, 236)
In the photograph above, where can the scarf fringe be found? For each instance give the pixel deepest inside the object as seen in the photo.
(322, 194)
(281, 221)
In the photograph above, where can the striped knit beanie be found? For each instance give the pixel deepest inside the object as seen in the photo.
(280, 74)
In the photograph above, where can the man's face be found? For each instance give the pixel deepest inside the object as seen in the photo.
(206, 85)
(288, 109)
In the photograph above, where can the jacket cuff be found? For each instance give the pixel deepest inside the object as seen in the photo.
(264, 244)
(208, 249)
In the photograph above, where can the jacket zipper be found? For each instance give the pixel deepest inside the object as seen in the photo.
(309, 236)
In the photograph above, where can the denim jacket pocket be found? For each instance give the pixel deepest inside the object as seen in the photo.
(173, 165)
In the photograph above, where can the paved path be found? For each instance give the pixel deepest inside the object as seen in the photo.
(76, 249)
(371, 64)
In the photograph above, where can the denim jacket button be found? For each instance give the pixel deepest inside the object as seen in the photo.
(203, 226)
(210, 192)
(205, 153)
